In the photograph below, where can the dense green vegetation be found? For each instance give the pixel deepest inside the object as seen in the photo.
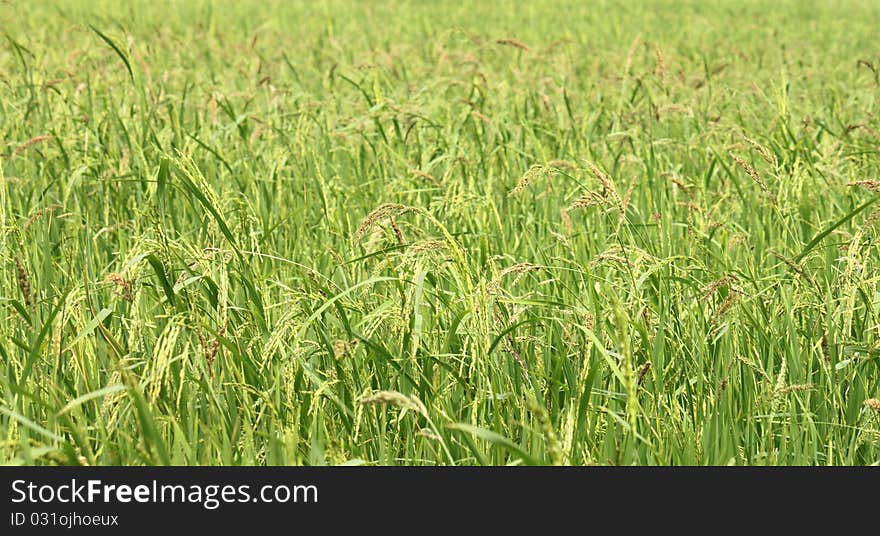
(426, 233)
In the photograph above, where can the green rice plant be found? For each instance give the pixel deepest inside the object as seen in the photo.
(417, 233)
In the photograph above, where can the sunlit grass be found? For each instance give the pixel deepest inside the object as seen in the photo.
(554, 232)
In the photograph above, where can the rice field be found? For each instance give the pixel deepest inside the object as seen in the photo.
(439, 233)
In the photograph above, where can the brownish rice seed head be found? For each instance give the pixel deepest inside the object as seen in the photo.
(184, 275)
(644, 371)
(336, 256)
(684, 188)
(31, 142)
(795, 388)
(381, 212)
(211, 349)
(646, 317)
(765, 153)
(714, 225)
(739, 238)
(797, 268)
(608, 189)
(589, 321)
(24, 282)
(427, 176)
(559, 236)
(872, 403)
(732, 297)
(428, 245)
(753, 173)
(513, 43)
(40, 213)
(397, 232)
(872, 185)
(661, 65)
(123, 286)
(587, 200)
(211, 352)
(714, 286)
(521, 268)
(528, 177)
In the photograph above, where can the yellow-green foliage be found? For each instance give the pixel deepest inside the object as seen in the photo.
(437, 233)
